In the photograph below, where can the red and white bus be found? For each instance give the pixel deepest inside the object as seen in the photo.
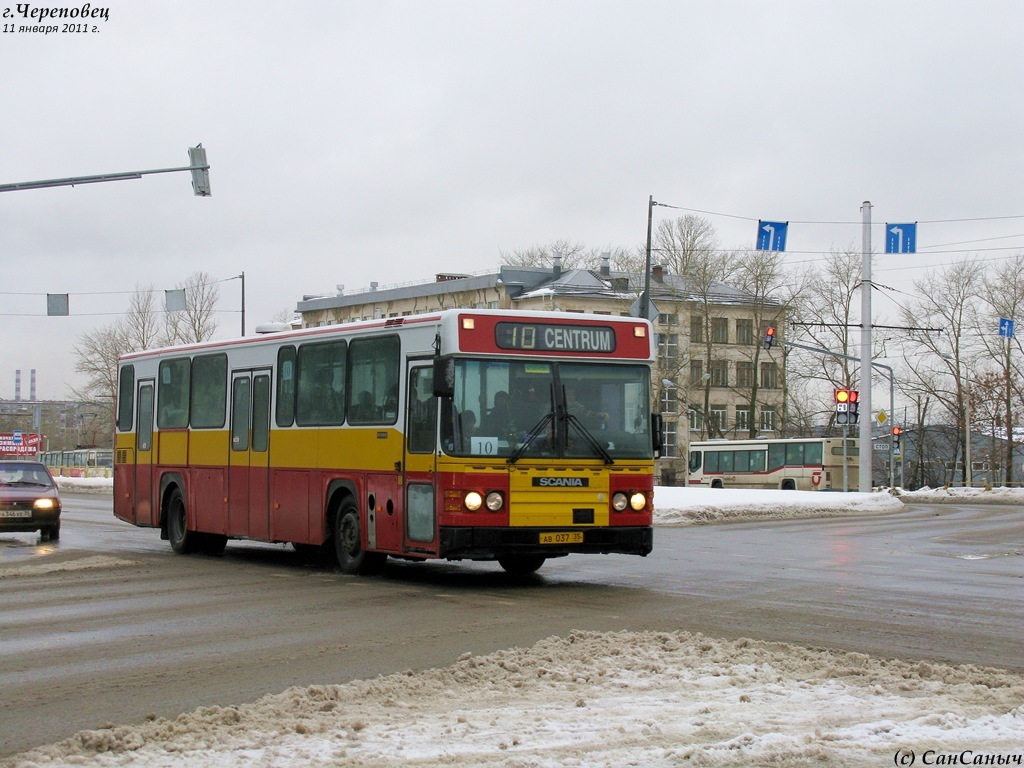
(462, 434)
(799, 464)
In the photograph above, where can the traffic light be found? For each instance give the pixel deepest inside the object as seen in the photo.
(769, 337)
(896, 432)
(847, 406)
(200, 171)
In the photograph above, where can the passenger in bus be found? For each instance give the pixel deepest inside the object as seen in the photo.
(498, 420)
(467, 426)
(591, 417)
(364, 410)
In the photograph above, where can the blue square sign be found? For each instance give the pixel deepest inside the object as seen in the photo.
(771, 235)
(901, 238)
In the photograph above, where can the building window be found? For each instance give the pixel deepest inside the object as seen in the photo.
(696, 421)
(720, 330)
(666, 319)
(768, 419)
(669, 449)
(696, 372)
(744, 331)
(718, 418)
(742, 418)
(769, 376)
(719, 373)
(744, 374)
(696, 329)
(668, 348)
(669, 400)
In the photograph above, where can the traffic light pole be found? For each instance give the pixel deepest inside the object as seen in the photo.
(892, 398)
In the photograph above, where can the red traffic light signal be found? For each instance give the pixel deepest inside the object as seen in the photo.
(896, 431)
(769, 337)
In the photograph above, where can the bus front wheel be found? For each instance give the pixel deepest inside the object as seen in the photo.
(348, 547)
(183, 541)
(521, 565)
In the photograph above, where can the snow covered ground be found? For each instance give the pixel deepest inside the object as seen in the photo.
(591, 699)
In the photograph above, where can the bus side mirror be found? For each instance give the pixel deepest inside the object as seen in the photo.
(444, 377)
(656, 434)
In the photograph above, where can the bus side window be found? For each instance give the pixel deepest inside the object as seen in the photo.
(173, 393)
(795, 455)
(285, 414)
(757, 461)
(812, 453)
(209, 391)
(126, 398)
(776, 456)
(711, 461)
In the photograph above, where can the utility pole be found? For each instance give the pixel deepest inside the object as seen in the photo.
(865, 348)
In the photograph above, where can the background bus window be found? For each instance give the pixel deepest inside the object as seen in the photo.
(144, 435)
(260, 412)
(173, 393)
(776, 455)
(240, 414)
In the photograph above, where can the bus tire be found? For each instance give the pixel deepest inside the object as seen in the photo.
(348, 548)
(183, 541)
(521, 565)
(789, 485)
(717, 484)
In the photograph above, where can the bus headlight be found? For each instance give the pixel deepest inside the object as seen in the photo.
(473, 501)
(619, 502)
(637, 501)
(495, 501)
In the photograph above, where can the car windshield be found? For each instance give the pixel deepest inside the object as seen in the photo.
(24, 474)
(544, 409)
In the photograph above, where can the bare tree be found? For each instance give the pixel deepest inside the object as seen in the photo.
(946, 299)
(1004, 296)
(141, 327)
(196, 322)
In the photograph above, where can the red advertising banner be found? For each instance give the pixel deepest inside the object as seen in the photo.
(20, 443)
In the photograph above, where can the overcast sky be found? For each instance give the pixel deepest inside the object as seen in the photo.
(382, 141)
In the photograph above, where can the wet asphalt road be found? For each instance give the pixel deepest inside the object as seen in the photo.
(156, 633)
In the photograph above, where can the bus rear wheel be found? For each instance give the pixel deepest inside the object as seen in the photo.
(348, 547)
(521, 565)
(183, 541)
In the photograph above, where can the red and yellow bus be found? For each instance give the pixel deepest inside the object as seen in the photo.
(462, 434)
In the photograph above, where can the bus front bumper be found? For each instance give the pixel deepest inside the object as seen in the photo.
(491, 543)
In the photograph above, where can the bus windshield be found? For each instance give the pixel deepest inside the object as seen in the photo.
(526, 409)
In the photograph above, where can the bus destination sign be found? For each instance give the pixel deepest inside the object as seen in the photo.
(545, 337)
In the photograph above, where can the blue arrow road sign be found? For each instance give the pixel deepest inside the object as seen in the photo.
(771, 235)
(1005, 328)
(901, 238)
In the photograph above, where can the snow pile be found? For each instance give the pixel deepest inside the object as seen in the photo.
(686, 506)
(85, 484)
(958, 495)
(593, 699)
(63, 564)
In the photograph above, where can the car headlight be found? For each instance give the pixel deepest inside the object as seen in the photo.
(637, 501)
(619, 501)
(495, 501)
(44, 504)
(473, 501)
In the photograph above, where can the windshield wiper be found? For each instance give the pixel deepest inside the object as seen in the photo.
(589, 437)
(532, 435)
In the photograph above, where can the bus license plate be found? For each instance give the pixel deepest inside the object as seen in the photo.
(562, 537)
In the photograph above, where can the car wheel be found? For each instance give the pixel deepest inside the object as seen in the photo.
(54, 532)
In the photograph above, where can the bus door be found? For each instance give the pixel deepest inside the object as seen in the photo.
(142, 509)
(248, 462)
(420, 450)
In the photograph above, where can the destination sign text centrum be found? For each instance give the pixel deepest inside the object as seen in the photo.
(542, 337)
